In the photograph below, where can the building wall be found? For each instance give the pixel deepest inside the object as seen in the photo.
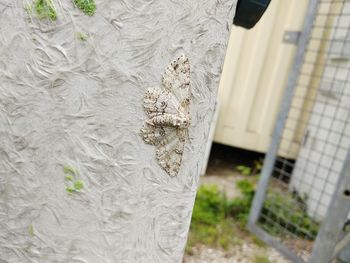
(255, 72)
(322, 155)
(69, 106)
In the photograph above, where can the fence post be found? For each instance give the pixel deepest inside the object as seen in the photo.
(332, 226)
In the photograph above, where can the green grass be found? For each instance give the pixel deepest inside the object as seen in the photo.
(210, 204)
(261, 259)
(250, 171)
(87, 6)
(258, 242)
(220, 222)
(244, 170)
(210, 226)
(223, 235)
(239, 207)
(45, 9)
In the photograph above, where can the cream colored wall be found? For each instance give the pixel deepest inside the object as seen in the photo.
(255, 72)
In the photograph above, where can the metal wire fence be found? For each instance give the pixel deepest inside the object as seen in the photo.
(304, 168)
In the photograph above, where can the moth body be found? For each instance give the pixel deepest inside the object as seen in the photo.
(170, 120)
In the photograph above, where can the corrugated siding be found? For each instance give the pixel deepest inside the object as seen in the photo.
(254, 76)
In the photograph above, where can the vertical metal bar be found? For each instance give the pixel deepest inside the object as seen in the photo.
(332, 226)
(283, 113)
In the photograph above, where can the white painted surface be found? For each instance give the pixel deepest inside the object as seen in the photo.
(210, 139)
(68, 102)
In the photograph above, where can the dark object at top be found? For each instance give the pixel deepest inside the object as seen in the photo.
(249, 12)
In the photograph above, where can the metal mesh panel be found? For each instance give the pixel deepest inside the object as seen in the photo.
(315, 138)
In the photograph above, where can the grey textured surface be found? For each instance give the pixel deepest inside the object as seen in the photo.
(64, 101)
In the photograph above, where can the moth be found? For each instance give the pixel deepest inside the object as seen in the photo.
(168, 116)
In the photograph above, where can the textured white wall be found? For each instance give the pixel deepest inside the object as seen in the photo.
(66, 102)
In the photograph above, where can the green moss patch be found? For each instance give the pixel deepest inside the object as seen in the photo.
(87, 6)
(74, 185)
(45, 9)
(82, 36)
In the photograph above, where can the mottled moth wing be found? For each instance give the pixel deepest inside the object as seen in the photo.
(155, 101)
(176, 80)
(169, 144)
(158, 135)
(169, 156)
(167, 108)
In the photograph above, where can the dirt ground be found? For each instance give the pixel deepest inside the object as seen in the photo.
(246, 253)
(222, 172)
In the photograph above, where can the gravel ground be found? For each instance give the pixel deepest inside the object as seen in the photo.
(245, 253)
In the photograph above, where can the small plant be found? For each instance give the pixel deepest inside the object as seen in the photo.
(210, 225)
(81, 36)
(257, 166)
(239, 207)
(45, 9)
(261, 259)
(87, 6)
(75, 185)
(244, 170)
(209, 206)
(257, 241)
(246, 187)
